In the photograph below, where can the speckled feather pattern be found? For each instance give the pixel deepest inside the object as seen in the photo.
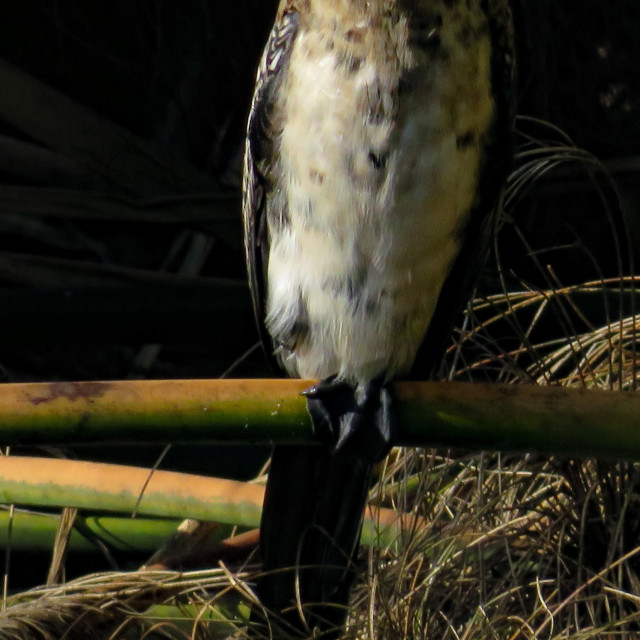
(366, 141)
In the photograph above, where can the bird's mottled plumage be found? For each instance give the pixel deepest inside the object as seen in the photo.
(377, 143)
(366, 143)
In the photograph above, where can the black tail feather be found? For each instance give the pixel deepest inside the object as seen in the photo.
(313, 509)
(311, 524)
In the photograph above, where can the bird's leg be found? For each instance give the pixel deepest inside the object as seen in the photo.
(357, 420)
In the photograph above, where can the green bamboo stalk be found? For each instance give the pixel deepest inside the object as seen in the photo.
(118, 488)
(165, 494)
(231, 411)
(223, 612)
(37, 531)
(482, 416)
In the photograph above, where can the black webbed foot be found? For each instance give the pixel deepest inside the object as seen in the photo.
(354, 420)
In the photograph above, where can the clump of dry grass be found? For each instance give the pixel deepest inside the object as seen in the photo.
(517, 546)
(123, 606)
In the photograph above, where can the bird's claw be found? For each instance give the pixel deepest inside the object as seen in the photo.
(352, 420)
(325, 387)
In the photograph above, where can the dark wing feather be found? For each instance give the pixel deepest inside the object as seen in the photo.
(497, 158)
(263, 132)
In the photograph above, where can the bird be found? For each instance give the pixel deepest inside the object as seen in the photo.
(378, 140)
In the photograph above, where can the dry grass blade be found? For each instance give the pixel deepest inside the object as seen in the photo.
(593, 358)
(60, 545)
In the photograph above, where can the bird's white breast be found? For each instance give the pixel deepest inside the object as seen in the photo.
(376, 178)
